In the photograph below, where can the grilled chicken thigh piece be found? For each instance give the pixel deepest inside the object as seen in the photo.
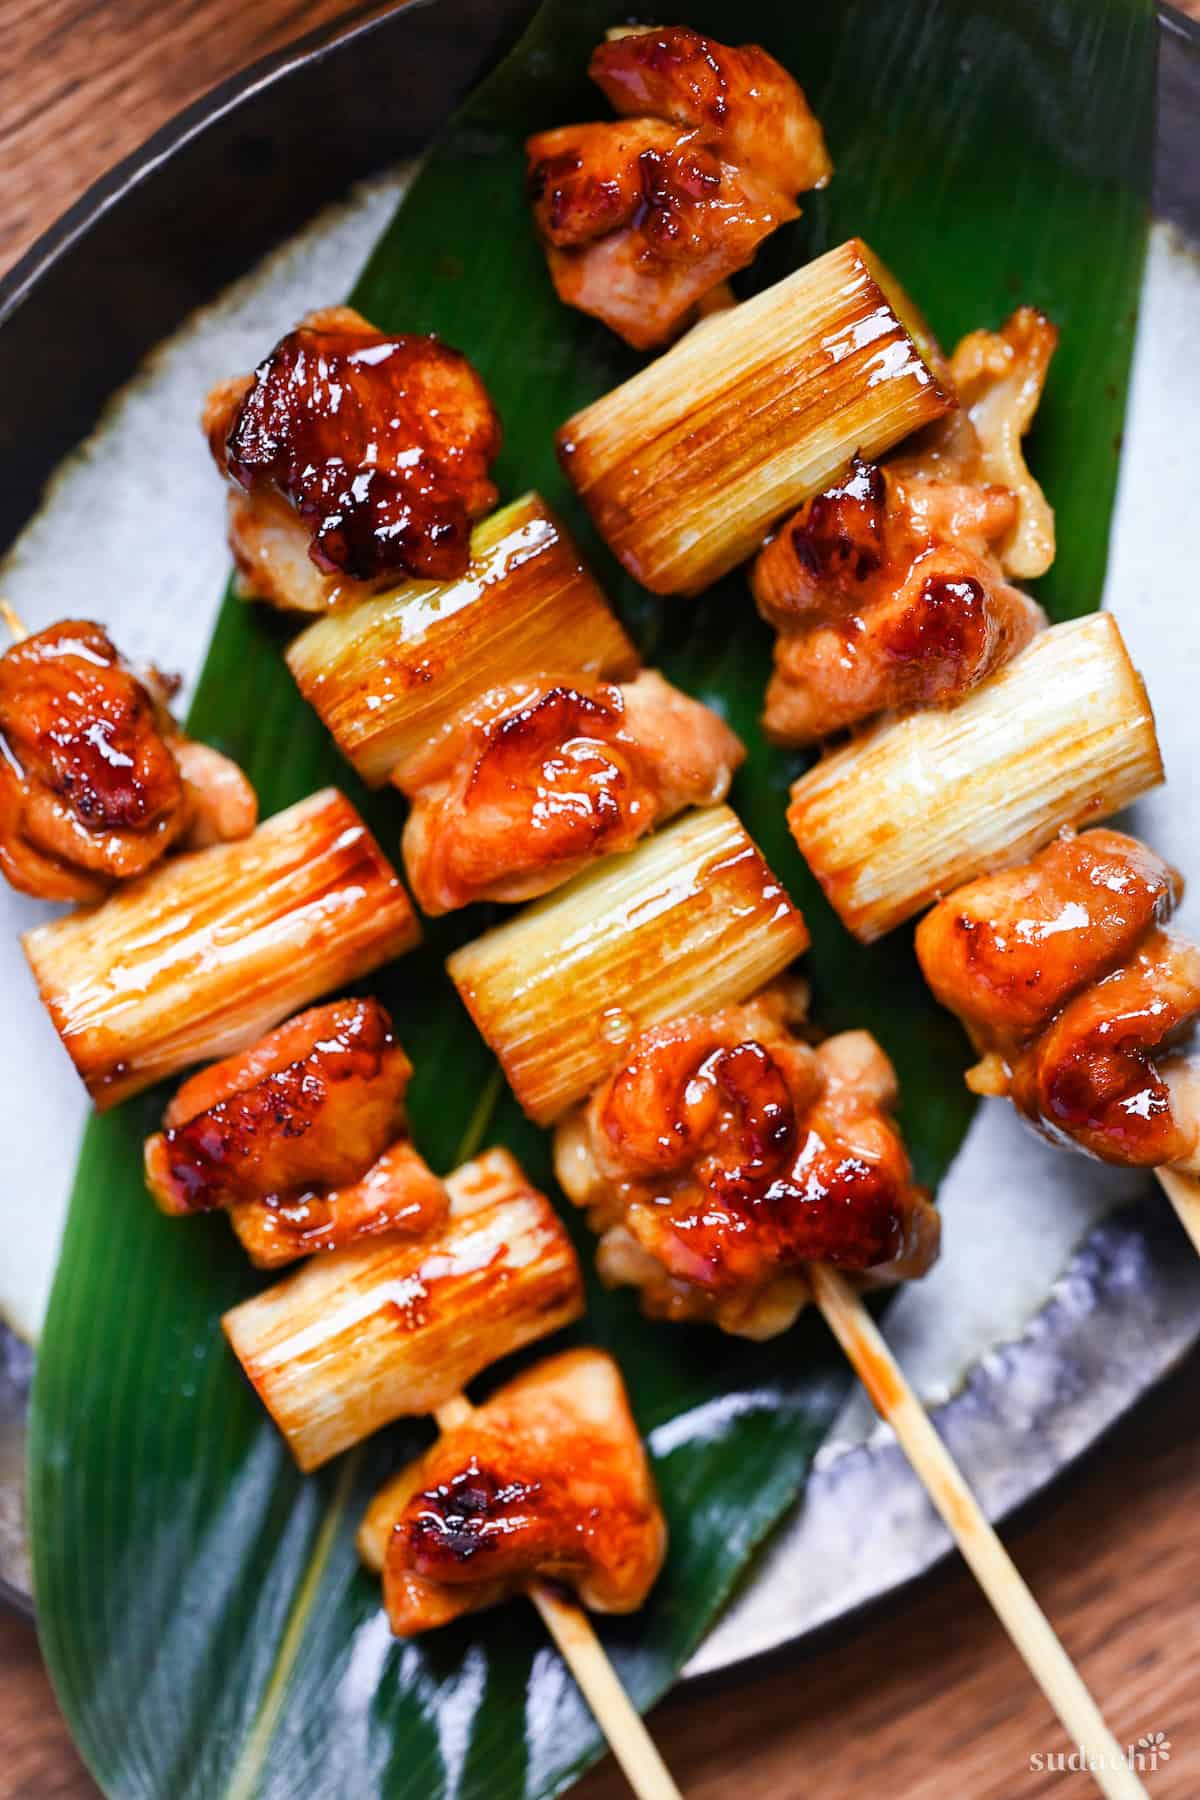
(1075, 994)
(369, 453)
(727, 1153)
(644, 217)
(547, 1480)
(97, 782)
(534, 784)
(890, 589)
(302, 1138)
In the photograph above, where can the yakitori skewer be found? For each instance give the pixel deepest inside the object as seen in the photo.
(644, 217)
(892, 585)
(413, 1288)
(605, 1454)
(323, 1350)
(503, 698)
(509, 706)
(193, 955)
(1081, 1001)
(732, 1169)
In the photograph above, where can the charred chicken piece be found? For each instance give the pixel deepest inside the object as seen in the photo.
(889, 589)
(1074, 994)
(726, 1154)
(96, 781)
(644, 216)
(301, 1138)
(375, 449)
(549, 1479)
(536, 783)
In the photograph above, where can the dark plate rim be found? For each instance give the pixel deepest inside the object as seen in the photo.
(108, 190)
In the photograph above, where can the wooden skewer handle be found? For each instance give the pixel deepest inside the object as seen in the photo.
(1183, 1191)
(585, 1656)
(14, 621)
(989, 1561)
(622, 1724)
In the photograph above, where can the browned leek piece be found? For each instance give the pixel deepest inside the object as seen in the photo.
(390, 675)
(690, 920)
(394, 1329)
(686, 466)
(916, 806)
(207, 952)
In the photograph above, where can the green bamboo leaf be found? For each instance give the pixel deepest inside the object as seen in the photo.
(201, 1609)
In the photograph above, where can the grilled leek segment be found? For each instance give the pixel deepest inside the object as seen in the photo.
(1063, 736)
(686, 466)
(396, 1328)
(689, 920)
(203, 955)
(390, 676)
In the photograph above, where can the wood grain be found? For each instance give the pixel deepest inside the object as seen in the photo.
(82, 84)
(924, 1701)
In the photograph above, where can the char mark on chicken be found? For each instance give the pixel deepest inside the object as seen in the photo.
(301, 1138)
(548, 1480)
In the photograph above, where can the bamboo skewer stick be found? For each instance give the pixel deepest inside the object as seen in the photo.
(1183, 1191)
(16, 625)
(988, 1560)
(584, 1654)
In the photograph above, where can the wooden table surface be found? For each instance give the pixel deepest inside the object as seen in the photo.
(925, 1700)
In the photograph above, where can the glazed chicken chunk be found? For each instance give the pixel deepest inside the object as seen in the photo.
(890, 590)
(97, 782)
(1076, 995)
(356, 459)
(301, 1138)
(549, 1479)
(727, 1153)
(644, 216)
(533, 784)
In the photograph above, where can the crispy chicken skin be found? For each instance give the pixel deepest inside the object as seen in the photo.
(380, 445)
(96, 781)
(643, 216)
(727, 1153)
(1063, 976)
(889, 590)
(536, 783)
(549, 1479)
(300, 1137)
